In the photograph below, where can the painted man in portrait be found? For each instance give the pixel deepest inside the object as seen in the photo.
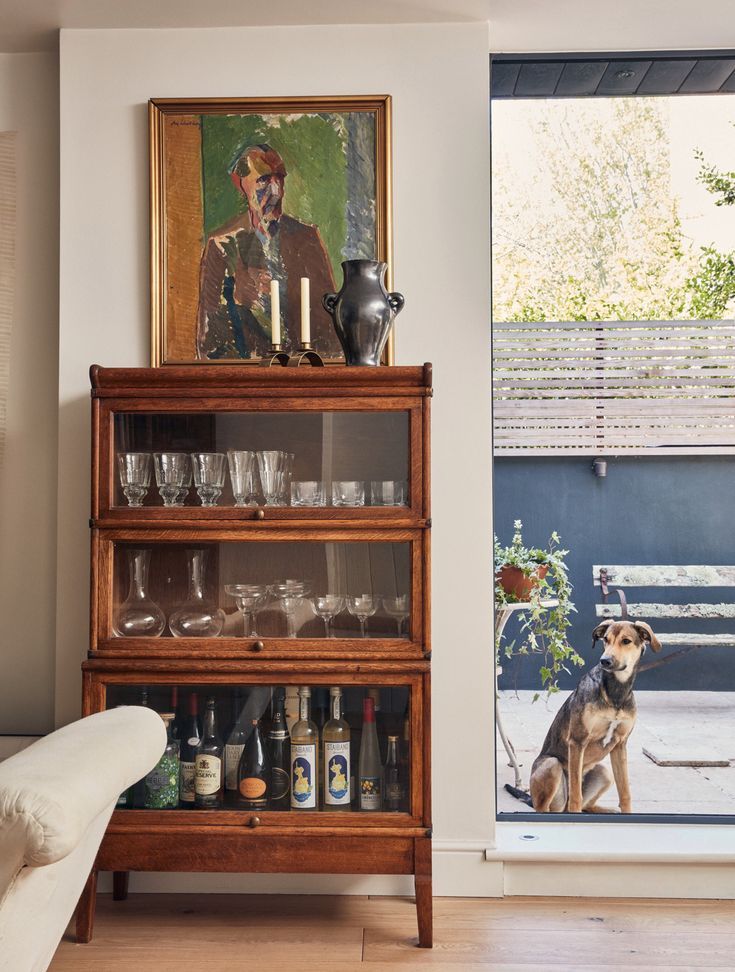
(241, 257)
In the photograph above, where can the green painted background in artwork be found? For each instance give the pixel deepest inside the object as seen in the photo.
(316, 167)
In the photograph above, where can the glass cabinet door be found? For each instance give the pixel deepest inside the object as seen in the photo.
(263, 595)
(269, 464)
(300, 750)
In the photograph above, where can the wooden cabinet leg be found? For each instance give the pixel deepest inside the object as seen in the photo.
(422, 883)
(120, 885)
(85, 909)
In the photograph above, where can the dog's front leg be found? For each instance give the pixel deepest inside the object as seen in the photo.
(576, 760)
(619, 760)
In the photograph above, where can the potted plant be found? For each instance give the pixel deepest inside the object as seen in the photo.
(531, 575)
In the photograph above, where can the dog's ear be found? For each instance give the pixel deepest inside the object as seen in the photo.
(646, 632)
(601, 629)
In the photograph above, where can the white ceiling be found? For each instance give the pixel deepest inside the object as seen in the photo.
(515, 25)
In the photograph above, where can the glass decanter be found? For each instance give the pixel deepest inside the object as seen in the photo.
(138, 616)
(197, 617)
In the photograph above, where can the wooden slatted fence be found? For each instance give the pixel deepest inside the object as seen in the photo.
(614, 387)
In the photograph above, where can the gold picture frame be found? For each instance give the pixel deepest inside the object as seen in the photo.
(211, 223)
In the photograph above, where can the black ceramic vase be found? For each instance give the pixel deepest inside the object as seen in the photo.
(363, 311)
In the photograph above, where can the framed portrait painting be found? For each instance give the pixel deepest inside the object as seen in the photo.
(247, 191)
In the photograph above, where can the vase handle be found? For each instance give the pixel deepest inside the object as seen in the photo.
(328, 302)
(396, 302)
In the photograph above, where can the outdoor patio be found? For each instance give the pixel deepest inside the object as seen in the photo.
(692, 726)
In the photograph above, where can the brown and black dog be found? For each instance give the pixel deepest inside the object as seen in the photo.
(596, 720)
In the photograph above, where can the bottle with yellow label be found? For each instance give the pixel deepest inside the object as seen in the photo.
(304, 756)
(254, 772)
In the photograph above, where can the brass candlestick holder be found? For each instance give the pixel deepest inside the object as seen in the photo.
(305, 355)
(276, 356)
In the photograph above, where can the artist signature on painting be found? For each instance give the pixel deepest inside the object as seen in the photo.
(186, 124)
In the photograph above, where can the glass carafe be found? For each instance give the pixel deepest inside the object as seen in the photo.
(197, 617)
(138, 616)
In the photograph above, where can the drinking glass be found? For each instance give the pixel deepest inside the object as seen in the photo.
(327, 607)
(173, 476)
(242, 476)
(397, 608)
(388, 492)
(284, 493)
(209, 475)
(291, 594)
(270, 464)
(135, 475)
(248, 598)
(348, 493)
(362, 607)
(307, 493)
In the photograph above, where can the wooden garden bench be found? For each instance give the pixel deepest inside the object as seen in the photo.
(612, 579)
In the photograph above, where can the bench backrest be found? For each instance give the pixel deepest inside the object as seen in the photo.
(661, 575)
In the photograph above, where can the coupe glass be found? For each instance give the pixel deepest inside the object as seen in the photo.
(209, 475)
(327, 607)
(139, 616)
(348, 493)
(307, 493)
(362, 607)
(197, 617)
(243, 467)
(248, 598)
(397, 608)
(173, 476)
(388, 493)
(270, 464)
(135, 475)
(291, 594)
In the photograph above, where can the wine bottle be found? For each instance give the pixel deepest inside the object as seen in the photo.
(304, 756)
(336, 756)
(292, 707)
(235, 744)
(161, 785)
(393, 777)
(279, 745)
(191, 736)
(380, 727)
(370, 782)
(208, 763)
(254, 772)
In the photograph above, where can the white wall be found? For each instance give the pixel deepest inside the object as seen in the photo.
(29, 95)
(438, 77)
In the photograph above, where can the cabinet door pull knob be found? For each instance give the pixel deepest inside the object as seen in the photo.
(258, 646)
(260, 514)
(254, 822)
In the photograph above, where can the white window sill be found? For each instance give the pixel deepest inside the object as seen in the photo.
(614, 843)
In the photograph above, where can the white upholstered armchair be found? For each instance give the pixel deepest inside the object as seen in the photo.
(56, 798)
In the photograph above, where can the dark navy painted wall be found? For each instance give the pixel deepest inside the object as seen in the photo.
(646, 511)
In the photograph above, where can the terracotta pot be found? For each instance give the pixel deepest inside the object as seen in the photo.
(516, 584)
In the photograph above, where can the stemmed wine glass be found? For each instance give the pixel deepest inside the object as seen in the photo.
(327, 607)
(248, 598)
(209, 475)
(173, 476)
(270, 464)
(135, 475)
(362, 607)
(291, 594)
(243, 467)
(397, 608)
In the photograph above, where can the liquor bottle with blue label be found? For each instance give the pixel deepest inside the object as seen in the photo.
(304, 756)
(336, 755)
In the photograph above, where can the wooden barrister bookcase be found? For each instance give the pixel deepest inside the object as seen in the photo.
(368, 426)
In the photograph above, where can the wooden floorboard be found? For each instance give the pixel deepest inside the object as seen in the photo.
(231, 933)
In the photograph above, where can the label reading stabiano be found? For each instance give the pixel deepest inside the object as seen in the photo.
(336, 773)
(207, 774)
(303, 776)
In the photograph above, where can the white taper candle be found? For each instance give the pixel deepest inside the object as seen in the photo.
(305, 312)
(275, 313)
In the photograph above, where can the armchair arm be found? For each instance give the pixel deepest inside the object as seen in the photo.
(52, 791)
